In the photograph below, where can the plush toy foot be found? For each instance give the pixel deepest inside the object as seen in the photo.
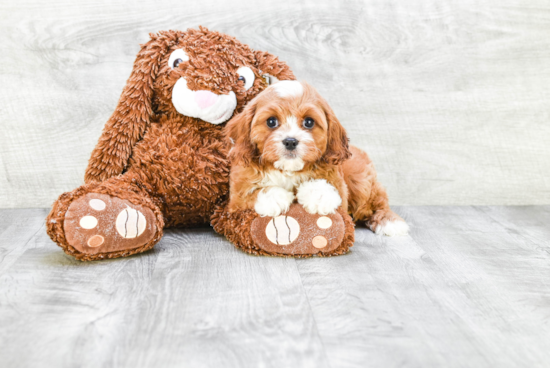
(99, 223)
(94, 222)
(298, 232)
(295, 233)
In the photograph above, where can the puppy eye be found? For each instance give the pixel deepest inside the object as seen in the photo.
(176, 58)
(247, 76)
(308, 123)
(272, 122)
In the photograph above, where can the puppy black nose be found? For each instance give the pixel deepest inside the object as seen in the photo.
(290, 143)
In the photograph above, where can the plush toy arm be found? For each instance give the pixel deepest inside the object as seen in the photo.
(129, 122)
(112, 152)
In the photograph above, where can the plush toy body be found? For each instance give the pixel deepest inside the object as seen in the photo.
(176, 176)
(162, 159)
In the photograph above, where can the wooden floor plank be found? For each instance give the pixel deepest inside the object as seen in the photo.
(356, 316)
(18, 229)
(212, 305)
(530, 222)
(437, 298)
(468, 287)
(502, 276)
(60, 312)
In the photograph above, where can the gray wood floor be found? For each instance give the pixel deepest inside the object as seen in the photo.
(469, 288)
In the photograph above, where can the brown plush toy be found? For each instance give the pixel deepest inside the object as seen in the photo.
(161, 160)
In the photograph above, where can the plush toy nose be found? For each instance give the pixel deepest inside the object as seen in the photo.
(205, 99)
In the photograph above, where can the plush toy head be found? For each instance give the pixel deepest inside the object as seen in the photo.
(197, 73)
(203, 74)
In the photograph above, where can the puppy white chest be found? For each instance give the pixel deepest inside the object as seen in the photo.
(287, 180)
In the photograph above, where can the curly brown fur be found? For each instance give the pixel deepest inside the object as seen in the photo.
(151, 154)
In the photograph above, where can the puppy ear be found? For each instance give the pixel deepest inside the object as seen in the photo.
(271, 65)
(132, 115)
(237, 131)
(337, 139)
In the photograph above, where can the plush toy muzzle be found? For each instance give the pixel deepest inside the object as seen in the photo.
(205, 105)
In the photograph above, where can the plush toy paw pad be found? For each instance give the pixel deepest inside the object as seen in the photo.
(319, 242)
(96, 241)
(282, 230)
(99, 223)
(97, 204)
(130, 223)
(324, 222)
(298, 232)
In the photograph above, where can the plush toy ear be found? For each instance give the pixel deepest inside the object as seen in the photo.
(132, 115)
(270, 66)
(237, 131)
(337, 139)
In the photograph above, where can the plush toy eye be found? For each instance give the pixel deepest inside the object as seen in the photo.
(247, 76)
(176, 58)
(308, 123)
(272, 122)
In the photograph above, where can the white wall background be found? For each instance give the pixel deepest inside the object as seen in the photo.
(450, 98)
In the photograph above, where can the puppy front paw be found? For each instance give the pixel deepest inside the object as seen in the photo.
(273, 201)
(319, 197)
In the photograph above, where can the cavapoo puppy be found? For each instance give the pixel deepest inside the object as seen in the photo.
(288, 145)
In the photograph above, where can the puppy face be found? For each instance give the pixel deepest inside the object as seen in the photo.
(288, 126)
